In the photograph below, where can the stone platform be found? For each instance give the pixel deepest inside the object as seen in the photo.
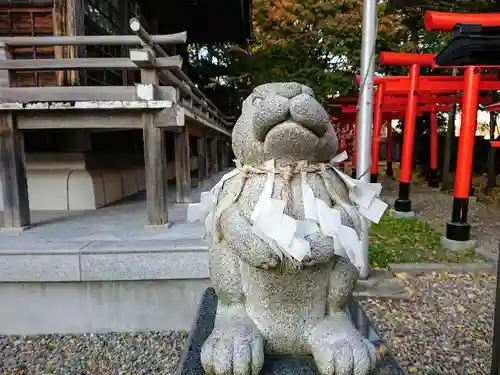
(103, 270)
(190, 361)
(112, 243)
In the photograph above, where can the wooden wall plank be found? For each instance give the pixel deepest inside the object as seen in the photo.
(34, 21)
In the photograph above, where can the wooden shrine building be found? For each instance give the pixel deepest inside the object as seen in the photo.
(97, 103)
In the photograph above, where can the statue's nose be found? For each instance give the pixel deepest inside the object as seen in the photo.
(307, 111)
(289, 89)
(271, 111)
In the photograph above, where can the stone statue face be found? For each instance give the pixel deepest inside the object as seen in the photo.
(283, 121)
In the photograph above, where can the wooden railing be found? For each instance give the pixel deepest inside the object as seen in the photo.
(165, 100)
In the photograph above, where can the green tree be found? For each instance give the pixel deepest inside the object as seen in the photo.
(313, 42)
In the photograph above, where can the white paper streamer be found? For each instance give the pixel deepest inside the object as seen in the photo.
(340, 157)
(365, 195)
(269, 221)
(205, 210)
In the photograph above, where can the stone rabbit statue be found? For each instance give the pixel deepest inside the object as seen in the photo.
(284, 241)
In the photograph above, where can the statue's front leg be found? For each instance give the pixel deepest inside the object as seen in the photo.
(337, 346)
(235, 346)
(240, 238)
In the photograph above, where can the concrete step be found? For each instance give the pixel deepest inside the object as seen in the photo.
(43, 261)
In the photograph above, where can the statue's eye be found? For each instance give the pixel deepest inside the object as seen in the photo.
(257, 101)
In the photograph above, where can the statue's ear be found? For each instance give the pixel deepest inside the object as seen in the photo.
(307, 90)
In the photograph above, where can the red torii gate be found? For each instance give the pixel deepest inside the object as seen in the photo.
(346, 124)
(438, 100)
(458, 228)
(343, 123)
(426, 103)
(396, 112)
(392, 109)
(412, 88)
(493, 108)
(425, 98)
(384, 79)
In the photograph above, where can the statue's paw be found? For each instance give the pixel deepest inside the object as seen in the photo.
(322, 249)
(271, 262)
(236, 350)
(342, 350)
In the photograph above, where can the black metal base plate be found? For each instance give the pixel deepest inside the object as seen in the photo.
(190, 363)
(434, 178)
(458, 231)
(402, 205)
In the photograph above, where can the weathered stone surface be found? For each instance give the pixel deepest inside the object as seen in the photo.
(190, 363)
(416, 269)
(402, 215)
(457, 245)
(381, 285)
(270, 304)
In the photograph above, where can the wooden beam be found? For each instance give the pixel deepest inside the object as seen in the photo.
(224, 154)
(143, 58)
(193, 115)
(214, 157)
(75, 25)
(82, 40)
(12, 164)
(13, 175)
(132, 105)
(155, 157)
(84, 63)
(155, 160)
(197, 131)
(201, 144)
(182, 166)
(80, 120)
(77, 93)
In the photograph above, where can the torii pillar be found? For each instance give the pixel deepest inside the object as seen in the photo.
(434, 173)
(402, 205)
(390, 171)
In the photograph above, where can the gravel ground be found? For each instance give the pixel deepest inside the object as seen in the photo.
(446, 326)
(92, 354)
